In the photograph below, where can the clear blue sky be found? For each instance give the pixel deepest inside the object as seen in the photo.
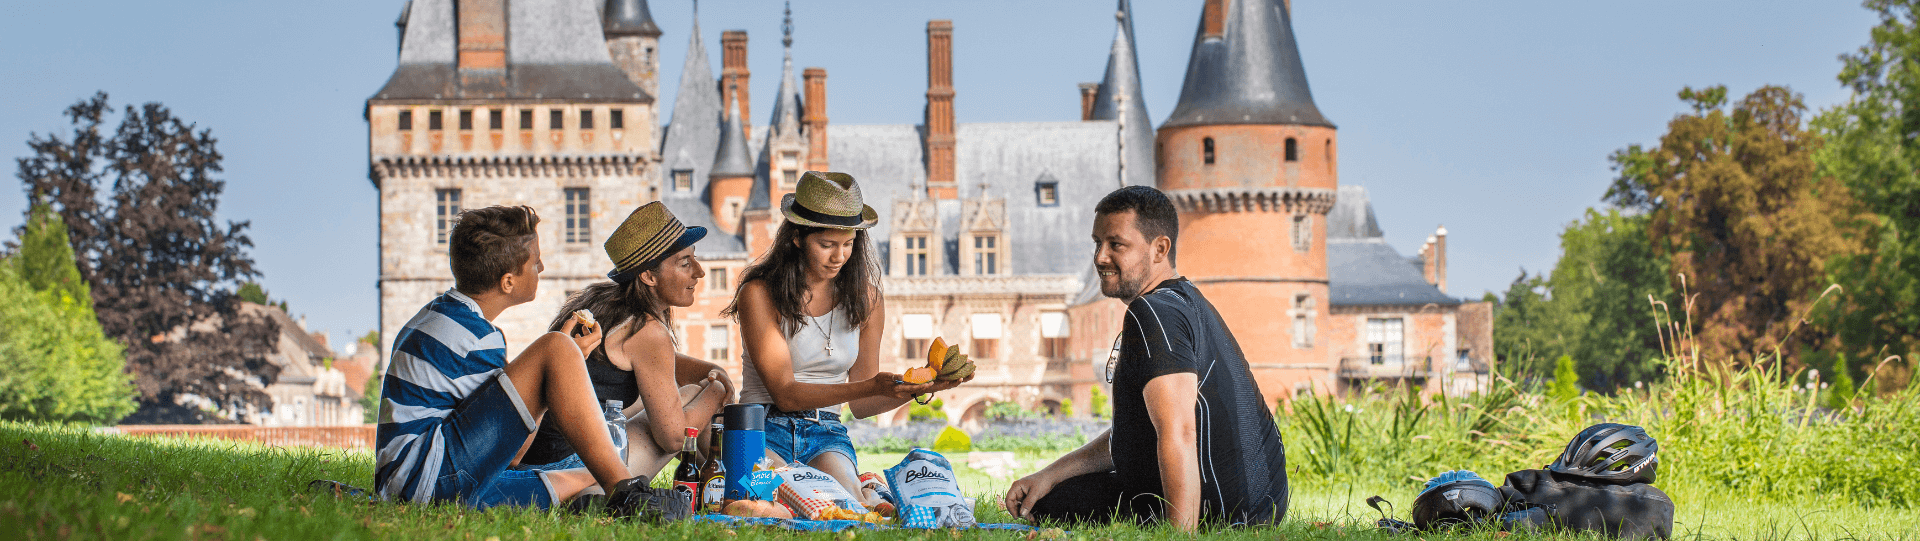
(1494, 118)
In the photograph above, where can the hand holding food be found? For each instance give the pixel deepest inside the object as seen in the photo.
(943, 364)
(585, 317)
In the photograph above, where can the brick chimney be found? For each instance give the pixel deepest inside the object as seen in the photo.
(1427, 260)
(1087, 92)
(940, 179)
(816, 118)
(483, 37)
(1213, 18)
(734, 76)
(1440, 258)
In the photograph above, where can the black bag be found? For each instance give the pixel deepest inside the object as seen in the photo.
(1541, 498)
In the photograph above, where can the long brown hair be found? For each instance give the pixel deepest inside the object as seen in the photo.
(614, 304)
(783, 270)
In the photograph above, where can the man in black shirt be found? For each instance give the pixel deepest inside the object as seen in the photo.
(1192, 438)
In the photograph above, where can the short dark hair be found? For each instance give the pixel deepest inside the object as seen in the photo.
(1153, 214)
(488, 243)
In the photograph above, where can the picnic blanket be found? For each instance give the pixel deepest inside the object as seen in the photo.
(829, 525)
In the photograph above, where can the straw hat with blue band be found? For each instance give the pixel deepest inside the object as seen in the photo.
(830, 200)
(650, 234)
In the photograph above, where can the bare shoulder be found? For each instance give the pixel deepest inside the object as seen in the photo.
(652, 334)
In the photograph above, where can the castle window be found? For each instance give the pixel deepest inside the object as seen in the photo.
(717, 350)
(556, 119)
(617, 119)
(586, 119)
(1293, 150)
(1206, 149)
(1047, 194)
(526, 119)
(1384, 341)
(916, 254)
(683, 180)
(446, 208)
(986, 335)
(466, 119)
(1302, 233)
(789, 168)
(1329, 155)
(986, 254)
(406, 120)
(578, 227)
(494, 119)
(1303, 324)
(915, 331)
(433, 120)
(1053, 335)
(717, 280)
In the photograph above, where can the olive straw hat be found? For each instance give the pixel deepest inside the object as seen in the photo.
(830, 200)
(650, 234)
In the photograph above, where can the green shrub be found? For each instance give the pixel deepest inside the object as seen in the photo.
(1066, 407)
(1566, 380)
(931, 411)
(55, 363)
(953, 440)
(1097, 405)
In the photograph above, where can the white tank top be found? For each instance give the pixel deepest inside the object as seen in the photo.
(808, 353)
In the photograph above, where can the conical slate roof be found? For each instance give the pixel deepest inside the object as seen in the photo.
(628, 18)
(1250, 75)
(689, 143)
(1119, 93)
(786, 116)
(730, 160)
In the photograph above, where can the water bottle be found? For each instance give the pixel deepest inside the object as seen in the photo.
(745, 444)
(617, 427)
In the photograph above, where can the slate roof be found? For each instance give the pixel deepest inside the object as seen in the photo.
(1250, 75)
(1009, 157)
(786, 103)
(628, 18)
(1123, 80)
(555, 51)
(731, 159)
(1362, 269)
(690, 143)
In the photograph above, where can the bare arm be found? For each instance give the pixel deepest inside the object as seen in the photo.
(1095, 456)
(767, 347)
(649, 350)
(688, 370)
(1170, 405)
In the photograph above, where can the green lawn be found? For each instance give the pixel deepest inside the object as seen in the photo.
(70, 483)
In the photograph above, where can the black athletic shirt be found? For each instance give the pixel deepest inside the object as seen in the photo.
(1243, 465)
(609, 383)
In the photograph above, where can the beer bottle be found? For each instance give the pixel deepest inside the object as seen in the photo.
(686, 478)
(714, 473)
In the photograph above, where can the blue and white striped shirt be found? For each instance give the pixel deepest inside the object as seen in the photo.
(442, 355)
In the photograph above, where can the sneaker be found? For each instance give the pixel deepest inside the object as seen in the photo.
(635, 498)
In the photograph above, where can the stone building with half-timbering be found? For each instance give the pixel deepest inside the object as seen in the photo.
(983, 226)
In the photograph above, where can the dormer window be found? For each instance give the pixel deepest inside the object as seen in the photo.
(1206, 150)
(1046, 193)
(789, 168)
(914, 247)
(986, 254)
(1293, 150)
(683, 180)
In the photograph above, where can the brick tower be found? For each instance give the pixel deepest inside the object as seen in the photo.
(1249, 161)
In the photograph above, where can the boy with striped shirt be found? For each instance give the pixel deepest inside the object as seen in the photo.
(454, 412)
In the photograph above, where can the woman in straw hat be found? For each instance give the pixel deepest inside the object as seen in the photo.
(654, 270)
(811, 319)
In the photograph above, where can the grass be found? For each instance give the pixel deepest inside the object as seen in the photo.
(71, 483)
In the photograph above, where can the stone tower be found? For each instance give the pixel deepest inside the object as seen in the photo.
(633, 41)
(1250, 163)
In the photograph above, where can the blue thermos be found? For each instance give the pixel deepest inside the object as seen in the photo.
(744, 446)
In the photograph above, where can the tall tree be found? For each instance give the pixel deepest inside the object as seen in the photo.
(1526, 329)
(1600, 286)
(162, 270)
(55, 364)
(1734, 203)
(1873, 151)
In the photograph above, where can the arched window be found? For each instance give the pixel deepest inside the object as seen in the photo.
(1293, 150)
(1207, 149)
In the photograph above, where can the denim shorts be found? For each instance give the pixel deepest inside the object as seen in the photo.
(483, 433)
(800, 440)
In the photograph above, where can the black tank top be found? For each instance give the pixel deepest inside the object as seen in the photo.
(609, 383)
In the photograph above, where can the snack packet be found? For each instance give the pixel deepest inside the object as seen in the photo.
(929, 497)
(811, 492)
(762, 485)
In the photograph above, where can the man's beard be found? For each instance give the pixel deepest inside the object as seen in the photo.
(1124, 287)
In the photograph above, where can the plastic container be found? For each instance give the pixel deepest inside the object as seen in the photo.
(617, 427)
(745, 445)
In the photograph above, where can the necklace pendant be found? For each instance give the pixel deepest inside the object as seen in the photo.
(829, 351)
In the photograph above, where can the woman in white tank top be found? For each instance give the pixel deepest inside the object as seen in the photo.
(811, 319)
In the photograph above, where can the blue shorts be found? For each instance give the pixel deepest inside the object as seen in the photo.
(800, 440)
(483, 433)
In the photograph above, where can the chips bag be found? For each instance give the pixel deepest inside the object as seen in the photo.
(929, 497)
(811, 492)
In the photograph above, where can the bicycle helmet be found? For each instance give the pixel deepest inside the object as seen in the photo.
(1611, 452)
(1456, 498)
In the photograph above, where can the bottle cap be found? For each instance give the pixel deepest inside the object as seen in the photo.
(692, 432)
